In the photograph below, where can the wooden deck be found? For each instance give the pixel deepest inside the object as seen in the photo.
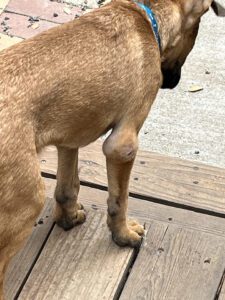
(182, 205)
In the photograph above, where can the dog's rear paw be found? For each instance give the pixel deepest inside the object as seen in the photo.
(68, 222)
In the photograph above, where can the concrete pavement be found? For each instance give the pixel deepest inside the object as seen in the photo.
(192, 125)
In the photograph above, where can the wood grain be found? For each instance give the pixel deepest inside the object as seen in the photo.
(155, 176)
(186, 264)
(22, 262)
(83, 263)
(95, 201)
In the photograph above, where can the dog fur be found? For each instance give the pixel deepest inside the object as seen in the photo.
(68, 86)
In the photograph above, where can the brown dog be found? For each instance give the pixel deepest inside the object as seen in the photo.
(67, 87)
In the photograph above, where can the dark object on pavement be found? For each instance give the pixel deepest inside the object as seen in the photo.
(218, 9)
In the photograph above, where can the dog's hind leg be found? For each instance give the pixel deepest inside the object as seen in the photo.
(21, 201)
(68, 211)
(120, 150)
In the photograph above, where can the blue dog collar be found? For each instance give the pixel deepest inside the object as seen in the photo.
(153, 21)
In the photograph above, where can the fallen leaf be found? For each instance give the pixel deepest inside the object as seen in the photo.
(87, 10)
(35, 26)
(67, 10)
(195, 88)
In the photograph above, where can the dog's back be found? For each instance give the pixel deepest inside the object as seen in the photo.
(63, 77)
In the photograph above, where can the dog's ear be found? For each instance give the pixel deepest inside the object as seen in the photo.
(196, 7)
(218, 9)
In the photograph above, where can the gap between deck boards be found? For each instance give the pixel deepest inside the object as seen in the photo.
(34, 262)
(94, 170)
(220, 295)
(145, 213)
(146, 198)
(121, 284)
(120, 287)
(155, 178)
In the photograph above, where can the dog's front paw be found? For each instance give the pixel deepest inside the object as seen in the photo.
(67, 221)
(130, 235)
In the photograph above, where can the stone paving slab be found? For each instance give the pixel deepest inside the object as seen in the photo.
(3, 4)
(44, 9)
(19, 25)
(85, 3)
(7, 41)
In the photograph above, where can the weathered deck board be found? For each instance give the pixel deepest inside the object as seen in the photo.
(22, 262)
(161, 215)
(222, 292)
(145, 210)
(186, 264)
(155, 176)
(83, 263)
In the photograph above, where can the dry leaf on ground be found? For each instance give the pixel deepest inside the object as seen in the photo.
(195, 88)
(67, 10)
(35, 26)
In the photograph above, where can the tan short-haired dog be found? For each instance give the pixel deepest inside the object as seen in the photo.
(67, 87)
